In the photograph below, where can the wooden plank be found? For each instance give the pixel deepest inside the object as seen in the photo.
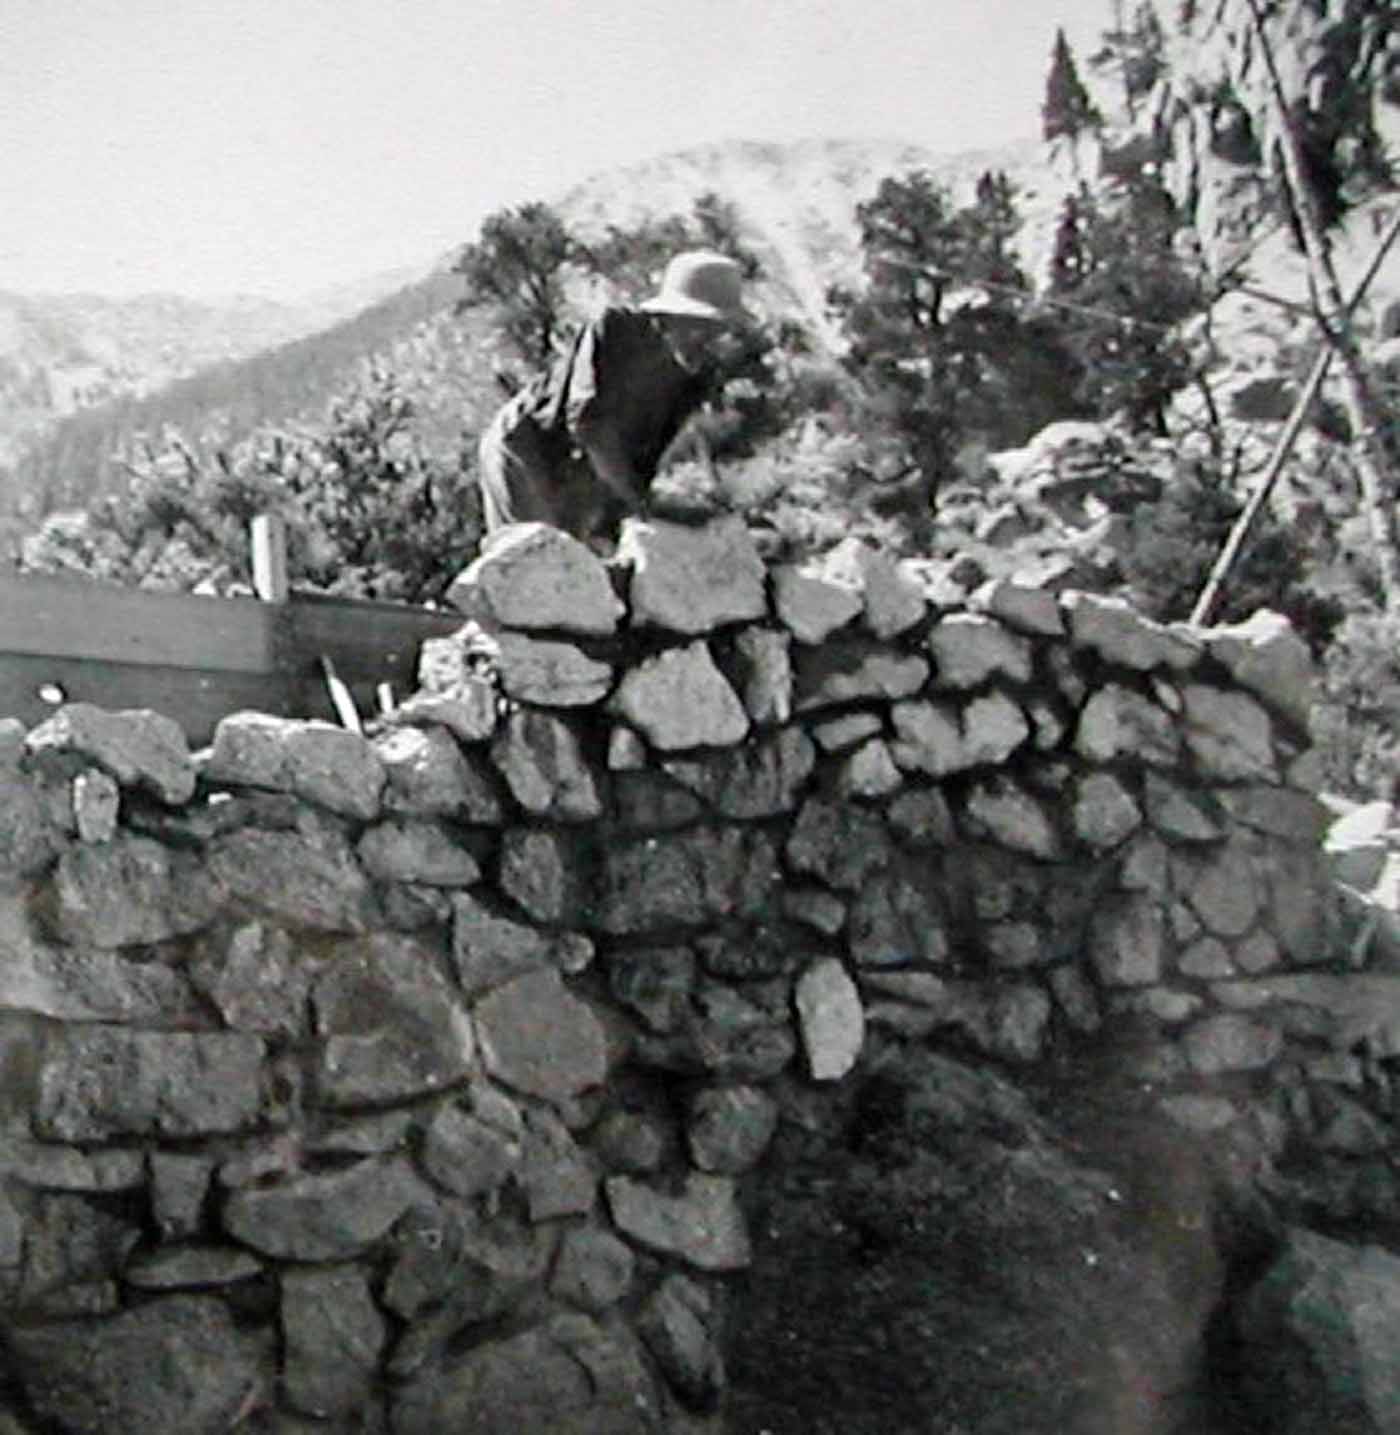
(77, 619)
(268, 537)
(196, 700)
(369, 643)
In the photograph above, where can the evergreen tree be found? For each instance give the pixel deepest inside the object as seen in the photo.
(368, 514)
(517, 265)
(1067, 110)
(1115, 262)
(939, 334)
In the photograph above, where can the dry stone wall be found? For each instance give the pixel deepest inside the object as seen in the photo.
(412, 1081)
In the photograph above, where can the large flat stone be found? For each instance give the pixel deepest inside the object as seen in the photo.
(100, 1082)
(531, 577)
(325, 764)
(539, 1039)
(325, 1217)
(81, 984)
(701, 1225)
(693, 579)
(549, 673)
(306, 879)
(140, 748)
(391, 1026)
(177, 1366)
(680, 699)
(129, 892)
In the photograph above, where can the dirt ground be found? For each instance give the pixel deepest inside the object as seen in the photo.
(954, 1255)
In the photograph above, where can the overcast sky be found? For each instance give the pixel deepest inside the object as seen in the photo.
(207, 147)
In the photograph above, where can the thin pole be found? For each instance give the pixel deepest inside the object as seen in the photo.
(1239, 534)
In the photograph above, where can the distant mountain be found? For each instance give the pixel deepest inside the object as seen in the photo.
(62, 353)
(214, 370)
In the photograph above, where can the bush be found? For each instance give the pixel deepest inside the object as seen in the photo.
(1356, 725)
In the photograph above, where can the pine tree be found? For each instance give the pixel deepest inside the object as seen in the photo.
(1067, 111)
(938, 337)
(1117, 264)
(517, 265)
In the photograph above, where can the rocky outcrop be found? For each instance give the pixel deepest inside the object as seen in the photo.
(434, 1075)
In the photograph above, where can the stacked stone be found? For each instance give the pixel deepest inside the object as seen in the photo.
(389, 1080)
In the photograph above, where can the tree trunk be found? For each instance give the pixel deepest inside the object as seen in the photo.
(1364, 409)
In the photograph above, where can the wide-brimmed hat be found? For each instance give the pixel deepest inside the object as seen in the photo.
(702, 284)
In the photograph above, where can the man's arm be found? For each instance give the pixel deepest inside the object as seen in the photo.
(593, 414)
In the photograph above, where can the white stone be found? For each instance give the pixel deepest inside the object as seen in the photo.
(1104, 811)
(870, 771)
(96, 802)
(1119, 634)
(140, 748)
(627, 750)
(765, 667)
(693, 579)
(1265, 655)
(993, 727)
(1119, 722)
(831, 1019)
(1019, 605)
(680, 699)
(968, 648)
(1013, 818)
(810, 606)
(532, 576)
(551, 674)
(1229, 734)
(935, 738)
(892, 597)
(929, 738)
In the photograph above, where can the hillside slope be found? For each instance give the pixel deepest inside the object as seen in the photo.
(796, 204)
(62, 353)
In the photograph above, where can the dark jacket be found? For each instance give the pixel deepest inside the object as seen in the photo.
(614, 402)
